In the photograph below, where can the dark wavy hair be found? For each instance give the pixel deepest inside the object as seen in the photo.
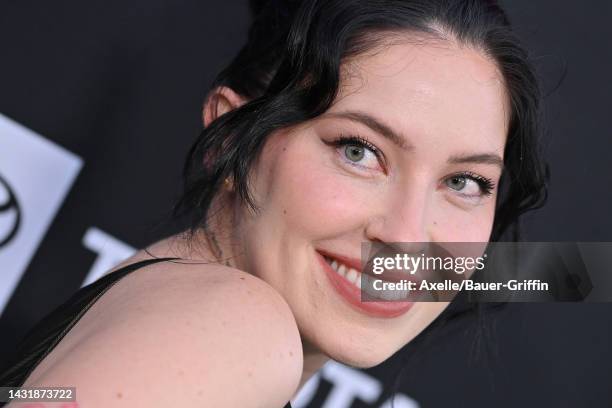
(289, 71)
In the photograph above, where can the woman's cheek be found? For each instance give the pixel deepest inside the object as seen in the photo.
(323, 200)
(455, 225)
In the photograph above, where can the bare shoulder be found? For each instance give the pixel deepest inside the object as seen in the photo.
(181, 333)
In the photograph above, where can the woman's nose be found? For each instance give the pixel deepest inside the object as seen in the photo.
(403, 218)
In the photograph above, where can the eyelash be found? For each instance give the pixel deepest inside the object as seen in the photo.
(486, 184)
(352, 140)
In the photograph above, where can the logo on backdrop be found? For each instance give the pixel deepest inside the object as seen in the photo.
(348, 385)
(10, 213)
(36, 177)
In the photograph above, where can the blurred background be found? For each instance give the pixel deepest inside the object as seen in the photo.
(100, 100)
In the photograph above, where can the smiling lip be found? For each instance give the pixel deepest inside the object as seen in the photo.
(351, 294)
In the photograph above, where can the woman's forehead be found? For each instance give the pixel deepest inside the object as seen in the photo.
(430, 88)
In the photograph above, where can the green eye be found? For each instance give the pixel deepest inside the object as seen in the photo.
(354, 153)
(470, 185)
(456, 183)
(359, 153)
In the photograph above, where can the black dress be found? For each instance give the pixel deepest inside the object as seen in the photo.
(43, 338)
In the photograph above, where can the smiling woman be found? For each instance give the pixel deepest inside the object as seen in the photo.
(340, 122)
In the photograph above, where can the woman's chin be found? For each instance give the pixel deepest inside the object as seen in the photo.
(361, 358)
(362, 354)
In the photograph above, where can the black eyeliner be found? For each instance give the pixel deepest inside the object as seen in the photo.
(347, 140)
(486, 184)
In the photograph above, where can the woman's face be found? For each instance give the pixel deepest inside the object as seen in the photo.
(407, 153)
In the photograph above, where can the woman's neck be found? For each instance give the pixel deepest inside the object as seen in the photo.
(313, 361)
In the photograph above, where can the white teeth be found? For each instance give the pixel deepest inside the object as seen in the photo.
(351, 275)
(357, 278)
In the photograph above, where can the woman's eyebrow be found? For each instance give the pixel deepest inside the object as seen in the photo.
(385, 130)
(375, 124)
(484, 158)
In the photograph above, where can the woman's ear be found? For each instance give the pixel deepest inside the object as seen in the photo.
(219, 101)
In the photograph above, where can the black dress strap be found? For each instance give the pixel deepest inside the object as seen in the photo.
(43, 338)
